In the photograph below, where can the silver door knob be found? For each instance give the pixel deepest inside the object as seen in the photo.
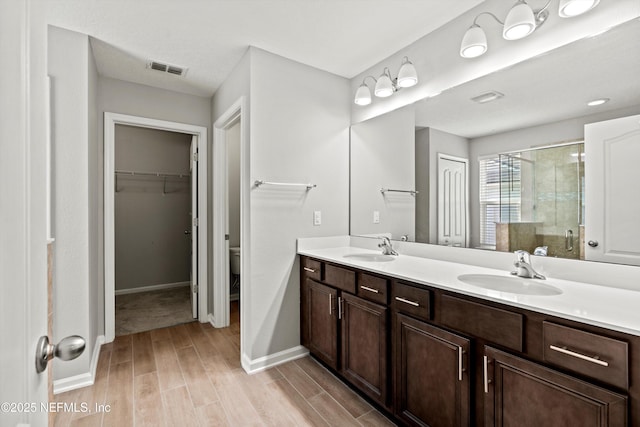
(67, 349)
(592, 243)
(187, 232)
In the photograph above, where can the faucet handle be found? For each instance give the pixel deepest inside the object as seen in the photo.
(523, 256)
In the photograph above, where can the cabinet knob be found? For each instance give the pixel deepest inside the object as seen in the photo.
(592, 243)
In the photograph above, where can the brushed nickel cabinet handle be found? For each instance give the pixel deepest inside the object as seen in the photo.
(459, 363)
(340, 307)
(564, 350)
(485, 371)
(366, 288)
(310, 270)
(330, 300)
(406, 301)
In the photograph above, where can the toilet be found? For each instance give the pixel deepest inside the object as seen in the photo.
(234, 260)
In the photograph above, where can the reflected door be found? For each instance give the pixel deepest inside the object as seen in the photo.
(611, 223)
(452, 201)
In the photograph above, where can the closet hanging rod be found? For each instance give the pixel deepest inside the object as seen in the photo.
(157, 174)
(260, 182)
(412, 192)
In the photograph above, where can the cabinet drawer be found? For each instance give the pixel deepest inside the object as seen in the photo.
(312, 268)
(411, 300)
(492, 324)
(373, 288)
(596, 356)
(340, 278)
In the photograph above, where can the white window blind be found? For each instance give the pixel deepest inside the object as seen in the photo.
(500, 194)
(489, 199)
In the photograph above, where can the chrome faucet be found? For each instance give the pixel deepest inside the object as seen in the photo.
(386, 247)
(524, 267)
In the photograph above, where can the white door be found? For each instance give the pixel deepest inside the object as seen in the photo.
(23, 247)
(452, 201)
(194, 226)
(612, 152)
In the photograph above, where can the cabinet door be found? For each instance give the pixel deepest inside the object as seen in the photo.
(364, 346)
(525, 394)
(431, 375)
(322, 322)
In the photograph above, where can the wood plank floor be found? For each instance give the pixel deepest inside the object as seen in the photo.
(190, 375)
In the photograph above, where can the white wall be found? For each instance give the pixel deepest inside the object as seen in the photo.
(293, 138)
(74, 149)
(237, 85)
(551, 133)
(439, 65)
(382, 156)
(150, 245)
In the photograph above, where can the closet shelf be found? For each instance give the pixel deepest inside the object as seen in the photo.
(156, 174)
(160, 175)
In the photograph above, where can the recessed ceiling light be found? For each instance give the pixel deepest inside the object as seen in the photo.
(596, 102)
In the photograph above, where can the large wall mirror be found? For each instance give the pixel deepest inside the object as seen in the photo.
(499, 163)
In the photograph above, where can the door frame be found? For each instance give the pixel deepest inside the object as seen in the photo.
(220, 317)
(110, 122)
(443, 156)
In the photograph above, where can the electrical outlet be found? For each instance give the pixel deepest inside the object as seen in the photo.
(317, 217)
(376, 217)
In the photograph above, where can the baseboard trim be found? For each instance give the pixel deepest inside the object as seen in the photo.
(263, 363)
(81, 380)
(151, 288)
(210, 319)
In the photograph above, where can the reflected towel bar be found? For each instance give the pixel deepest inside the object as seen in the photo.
(412, 192)
(260, 182)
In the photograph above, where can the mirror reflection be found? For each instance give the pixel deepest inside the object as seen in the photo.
(497, 163)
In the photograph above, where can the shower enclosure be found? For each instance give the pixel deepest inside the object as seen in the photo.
(542, 201)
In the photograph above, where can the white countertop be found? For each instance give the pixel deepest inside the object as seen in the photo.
(604, 306)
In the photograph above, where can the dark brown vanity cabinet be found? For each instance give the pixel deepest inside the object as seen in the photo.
(438, 358)
(431, 374)
(364, 332)
(346, 332)
(322, 322)
(526, 394)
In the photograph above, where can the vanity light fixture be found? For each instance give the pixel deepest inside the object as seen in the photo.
(385, 85)
(520, 22)
(571, 8)
(597, 102)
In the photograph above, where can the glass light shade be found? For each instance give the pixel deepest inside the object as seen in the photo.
(407, 76)
(384, 87)
(474, 42)
(571, 8)
(363, 95)
(520, 22)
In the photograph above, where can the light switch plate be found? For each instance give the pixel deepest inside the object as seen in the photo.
(376, 217)
(317, 217)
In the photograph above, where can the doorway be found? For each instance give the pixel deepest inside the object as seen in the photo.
(154, 211)
(230, 217)
(162, 185)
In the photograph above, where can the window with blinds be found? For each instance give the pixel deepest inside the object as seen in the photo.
(500, 194)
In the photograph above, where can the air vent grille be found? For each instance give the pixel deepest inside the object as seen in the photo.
(166, 68)
(487, 97)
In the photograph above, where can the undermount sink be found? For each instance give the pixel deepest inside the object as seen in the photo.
(370, 257)
(510, 284)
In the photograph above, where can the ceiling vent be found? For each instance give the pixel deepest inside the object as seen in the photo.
(166, 68)
(487, 97)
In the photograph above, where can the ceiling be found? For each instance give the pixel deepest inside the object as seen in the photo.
(549, 88)
(209, 37)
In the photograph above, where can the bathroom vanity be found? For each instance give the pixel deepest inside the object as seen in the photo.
(432, 350)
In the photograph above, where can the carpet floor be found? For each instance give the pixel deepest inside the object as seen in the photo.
(146, 311)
